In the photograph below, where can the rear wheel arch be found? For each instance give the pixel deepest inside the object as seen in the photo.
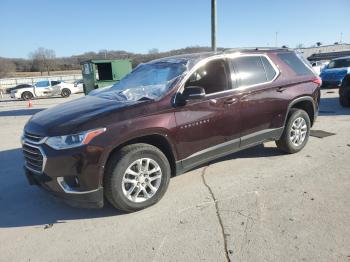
(305, 103)
(66, 92)
(158, 140)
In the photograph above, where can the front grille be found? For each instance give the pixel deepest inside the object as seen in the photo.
(32, 138)
(34, 159)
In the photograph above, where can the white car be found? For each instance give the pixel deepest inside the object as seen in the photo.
(46, 88)
(79, 84)
(317, 66)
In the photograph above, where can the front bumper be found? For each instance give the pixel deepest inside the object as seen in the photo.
(14, 95)
(74, 175)
(90, 199)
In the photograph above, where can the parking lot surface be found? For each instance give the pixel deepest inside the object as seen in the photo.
(254, 205)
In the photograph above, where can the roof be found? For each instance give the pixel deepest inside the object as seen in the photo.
(193, 58)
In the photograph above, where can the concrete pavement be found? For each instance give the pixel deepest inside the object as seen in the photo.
(255, 205)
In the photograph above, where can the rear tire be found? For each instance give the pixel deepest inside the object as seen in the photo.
(296, 132)
(27, 95)
(129, 183)
(344, 96)
(65, 92)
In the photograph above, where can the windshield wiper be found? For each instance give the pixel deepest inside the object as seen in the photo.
(145, 98)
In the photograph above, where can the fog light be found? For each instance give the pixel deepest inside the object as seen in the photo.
(69, 184)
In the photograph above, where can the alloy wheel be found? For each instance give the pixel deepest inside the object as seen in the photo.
(141, 180)
(298, 131)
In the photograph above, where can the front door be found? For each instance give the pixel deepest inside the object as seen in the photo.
(209, 127)
(42, 88)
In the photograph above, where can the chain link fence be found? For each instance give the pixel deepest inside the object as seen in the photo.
(11, 82)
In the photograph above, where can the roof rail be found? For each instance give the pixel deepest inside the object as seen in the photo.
(230, 50)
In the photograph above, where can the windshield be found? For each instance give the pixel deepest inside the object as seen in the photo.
(147, 81)
(339, 63)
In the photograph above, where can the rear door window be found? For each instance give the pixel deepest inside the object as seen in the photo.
(252, 70)
(295, 63)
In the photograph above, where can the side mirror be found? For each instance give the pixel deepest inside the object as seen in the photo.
(193, 92)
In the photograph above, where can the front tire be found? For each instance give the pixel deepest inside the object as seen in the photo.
(65, 92)
(136, 177)
(27, 95)
(296, 132)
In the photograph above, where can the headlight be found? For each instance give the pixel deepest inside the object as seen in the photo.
(75, 140)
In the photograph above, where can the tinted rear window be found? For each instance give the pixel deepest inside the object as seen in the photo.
(294, 62)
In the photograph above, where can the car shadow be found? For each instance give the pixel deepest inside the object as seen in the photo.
(24, 205)
(330, 106)
(21, 112)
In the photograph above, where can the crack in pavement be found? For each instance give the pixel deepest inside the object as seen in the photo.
(217, 212)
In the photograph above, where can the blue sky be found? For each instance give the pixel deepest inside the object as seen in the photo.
(76, 26)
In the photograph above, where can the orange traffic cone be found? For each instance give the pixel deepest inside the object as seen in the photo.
(30, 103)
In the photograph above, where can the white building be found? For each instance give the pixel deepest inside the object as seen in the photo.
(327, 51)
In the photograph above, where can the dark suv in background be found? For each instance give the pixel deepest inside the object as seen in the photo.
(168, 116)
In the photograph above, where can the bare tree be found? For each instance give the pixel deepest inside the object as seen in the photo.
(43, 59)
(6, 67)
(299, 46)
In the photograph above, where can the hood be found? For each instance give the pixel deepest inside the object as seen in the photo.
(70, 117)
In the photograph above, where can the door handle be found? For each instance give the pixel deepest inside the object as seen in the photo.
(281, 89)
(230, 101)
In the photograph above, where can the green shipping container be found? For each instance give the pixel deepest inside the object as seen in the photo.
(102, 73)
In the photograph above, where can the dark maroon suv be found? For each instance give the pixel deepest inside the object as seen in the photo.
(123, 143)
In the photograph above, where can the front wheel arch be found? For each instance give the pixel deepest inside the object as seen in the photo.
(27, 95)
(158, 140)
(346, 81)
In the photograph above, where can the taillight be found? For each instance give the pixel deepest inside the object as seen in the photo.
(317, 81)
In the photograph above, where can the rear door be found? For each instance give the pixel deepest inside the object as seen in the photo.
(262, 102)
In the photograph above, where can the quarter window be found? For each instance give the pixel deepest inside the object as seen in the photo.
(295, 63)
(270, 72)
(252, 70)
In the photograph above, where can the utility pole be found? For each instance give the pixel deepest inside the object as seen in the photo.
(341, 37)
(276, 39)
(213, 25)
